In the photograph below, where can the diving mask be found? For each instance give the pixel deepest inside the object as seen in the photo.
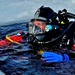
(36, 31)
(39, 32)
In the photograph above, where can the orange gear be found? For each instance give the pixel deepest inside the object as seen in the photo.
(15, 39)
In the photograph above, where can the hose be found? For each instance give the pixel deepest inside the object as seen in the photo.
(39, 42)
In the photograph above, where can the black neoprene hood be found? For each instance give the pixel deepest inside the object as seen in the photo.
(45, 14)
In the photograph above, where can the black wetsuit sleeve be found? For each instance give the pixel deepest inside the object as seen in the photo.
(71, 55)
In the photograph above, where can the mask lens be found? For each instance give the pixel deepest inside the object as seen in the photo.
(33, 29)
(30, 28)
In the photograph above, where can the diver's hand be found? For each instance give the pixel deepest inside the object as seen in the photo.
(53, 57)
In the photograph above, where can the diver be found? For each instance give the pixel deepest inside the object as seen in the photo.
(48, 29)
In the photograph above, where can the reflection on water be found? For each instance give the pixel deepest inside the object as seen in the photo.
(17, 60)
(19, 65)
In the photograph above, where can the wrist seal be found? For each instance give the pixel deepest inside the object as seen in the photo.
(65, 57)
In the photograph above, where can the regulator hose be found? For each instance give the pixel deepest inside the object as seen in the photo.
(65, 31)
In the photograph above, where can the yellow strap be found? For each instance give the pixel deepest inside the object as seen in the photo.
(40, 52)
(8, 38)
(62, 22)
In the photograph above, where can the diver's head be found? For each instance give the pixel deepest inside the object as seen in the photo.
(40, 27)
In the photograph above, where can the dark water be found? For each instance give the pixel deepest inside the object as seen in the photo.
(16, 60)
